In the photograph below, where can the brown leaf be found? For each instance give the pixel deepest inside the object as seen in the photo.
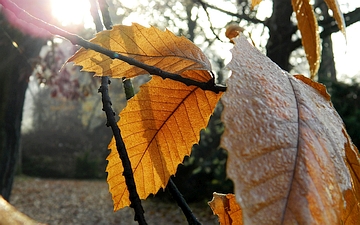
(289, 157)
(233, 30)
(308, 27)
(159, 126)
(351, 215)
(151, 46)
(337, 14)
(226, 208)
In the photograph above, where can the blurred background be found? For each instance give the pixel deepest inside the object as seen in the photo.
(59, 109)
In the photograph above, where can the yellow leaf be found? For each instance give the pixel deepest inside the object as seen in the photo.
(227, 209)
(289, 156)
(337, 14)
(308, 27)
(151, 46)
(159, 126)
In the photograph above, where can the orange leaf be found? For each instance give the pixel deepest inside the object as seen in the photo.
(351, 215)
(289, 157)
(233, 30)
(159, 126)
(227, 209)
(308, 27)
(338, 16)
(148, 45)
(255, 3)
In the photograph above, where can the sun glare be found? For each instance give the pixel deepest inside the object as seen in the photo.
(72, 12)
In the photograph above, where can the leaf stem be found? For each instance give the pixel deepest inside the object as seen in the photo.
(77, 40)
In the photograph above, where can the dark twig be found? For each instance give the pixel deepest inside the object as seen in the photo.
(240, 16)
(129, 178)
(110, 115)
(94, 10)
(104, 8)
(171, 187)
(77, 40)
(204, 6)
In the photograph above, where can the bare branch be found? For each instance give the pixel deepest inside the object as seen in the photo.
(240, 16)
(77, 40)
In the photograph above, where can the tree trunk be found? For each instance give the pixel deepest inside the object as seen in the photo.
(15, 70)
(327, 71)
(280, 31)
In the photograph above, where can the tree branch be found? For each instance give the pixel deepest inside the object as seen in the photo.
(240, 16)
(331, 27)
(120, 145)
(204, 6)
(110, 115)
(77, 40)
(174, 191)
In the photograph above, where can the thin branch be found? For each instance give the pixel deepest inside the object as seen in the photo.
(240, 16)
(204, 6)
(94, 10)
(120, 145)
(110, 115)
(192, 220)
(77, 40)
(104, 8)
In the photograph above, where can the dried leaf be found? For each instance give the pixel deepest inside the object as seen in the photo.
(9, 215)
(289, 157)
(233, 30)
(308, 27)
(148, 45)
(159, 126)
(226, 208)
(255, 3)
(351, 215)
(337, 14)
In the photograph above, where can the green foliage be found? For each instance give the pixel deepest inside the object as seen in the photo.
(41, 166)
(60, 144)
(87, 166)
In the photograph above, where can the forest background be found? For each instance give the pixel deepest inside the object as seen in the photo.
(63, 131)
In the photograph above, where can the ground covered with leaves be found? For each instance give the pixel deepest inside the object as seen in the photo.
(89, 202)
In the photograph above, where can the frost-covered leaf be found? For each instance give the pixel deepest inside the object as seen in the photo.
(289, 155)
